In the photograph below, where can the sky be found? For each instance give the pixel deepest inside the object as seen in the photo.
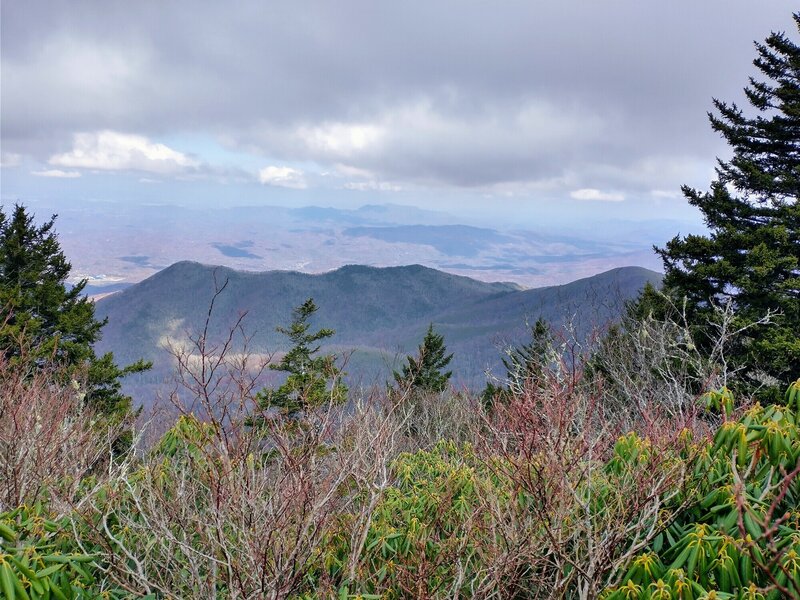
(504, 110)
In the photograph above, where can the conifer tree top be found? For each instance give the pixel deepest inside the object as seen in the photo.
(49, 318)
(766, 147)
(313, 380)
(751, 256)
(425, 371)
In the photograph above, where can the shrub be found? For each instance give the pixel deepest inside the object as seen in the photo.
(39, 558)
(429, 533)
(739, 532)
(49, 440)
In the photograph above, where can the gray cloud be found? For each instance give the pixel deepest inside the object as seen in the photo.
(540, 95)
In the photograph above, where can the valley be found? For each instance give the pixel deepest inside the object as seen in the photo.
(136, 242)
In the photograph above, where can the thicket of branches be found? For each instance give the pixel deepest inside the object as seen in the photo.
(573, 484)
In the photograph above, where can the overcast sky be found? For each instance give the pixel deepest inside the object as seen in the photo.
(582, 106)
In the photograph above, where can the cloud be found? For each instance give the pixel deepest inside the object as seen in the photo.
(513, 97)
(593, 194)
(348, 171)
(282, 177)
(114, 151)
(373, 186)
(10, 160)
(669, 194)
(431, 142)
(57, 173)
(340, 140)
(71, 81)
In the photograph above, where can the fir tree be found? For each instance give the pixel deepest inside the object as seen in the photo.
(525, 365)
(313, 380)
(424, 371)
(45, 317)
(752, 255)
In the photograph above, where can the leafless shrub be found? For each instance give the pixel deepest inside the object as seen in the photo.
(656, 363)
(247, 511)
(236, 500)
(428, 417)
(594, 497)
(49, 439)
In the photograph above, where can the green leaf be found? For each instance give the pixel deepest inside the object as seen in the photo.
(7, 580)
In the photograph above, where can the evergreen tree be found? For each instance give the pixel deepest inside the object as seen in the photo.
(424, 372)
(44, 317)
(39, 308)
(313, 380)
(525, 365)
(752, 255)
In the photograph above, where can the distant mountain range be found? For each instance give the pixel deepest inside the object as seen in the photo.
(524, 246)
(379, 313)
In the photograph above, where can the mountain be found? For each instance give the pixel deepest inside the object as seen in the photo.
(381, 313)
(530, 251)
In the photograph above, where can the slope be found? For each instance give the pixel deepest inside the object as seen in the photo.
(380, 312)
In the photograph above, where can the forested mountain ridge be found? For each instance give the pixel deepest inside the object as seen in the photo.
(379, 312)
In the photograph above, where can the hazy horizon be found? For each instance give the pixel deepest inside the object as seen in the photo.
(113, 245)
